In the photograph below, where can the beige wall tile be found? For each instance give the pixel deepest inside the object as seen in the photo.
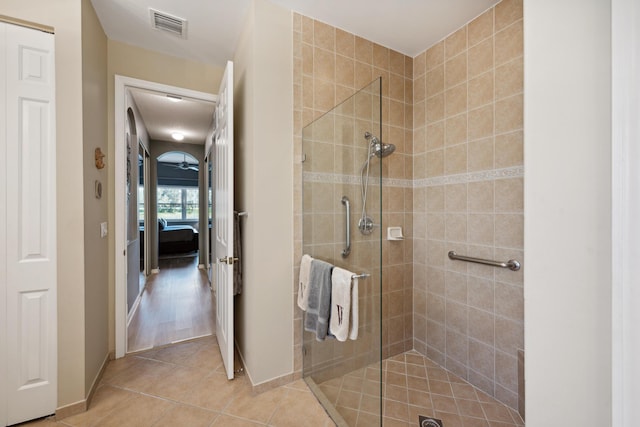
(481, 155)
(408, 91)
(482, 358)
(509, 78)
(419, 114)
(509, 150)
(481, 229)
(434, 199)
(481, 293)
(435, 80)
(456, 229)
(381, 56)
(419, 65)
(480, 28)
(481, 90)
(363, 74)
(510, 230)
(435, 135)
(456, 198)
(345, 43)
(455, 159)
(456, 43)
(307, 59)
(509, 195)
(435, 163)
(480, 196)
(435, 228)
(509, 114)
(364, 50)
(324, 65)
(345, 71)
(481, 57)
(396, 62)
(396, 87)
(456, 129)
(481, 326)
(435, 108)
(434, 56)
(307, 30)
(480, 123)
(509, 44)
(456, 100)
(419, 89)
(324, 36)
(509, 301)
(455, 71)
(507, 12)
(408, 67)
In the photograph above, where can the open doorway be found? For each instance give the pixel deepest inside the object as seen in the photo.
(175, 301)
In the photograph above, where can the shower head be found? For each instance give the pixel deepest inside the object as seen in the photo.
(379, 148)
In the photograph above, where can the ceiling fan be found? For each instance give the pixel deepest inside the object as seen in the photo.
(184, 165)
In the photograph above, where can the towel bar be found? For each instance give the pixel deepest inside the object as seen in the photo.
(512, 264)
(360, 276)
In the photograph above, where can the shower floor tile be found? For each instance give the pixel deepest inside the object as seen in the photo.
(413, 386)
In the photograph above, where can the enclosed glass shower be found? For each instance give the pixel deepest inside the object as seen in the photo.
(342, 214)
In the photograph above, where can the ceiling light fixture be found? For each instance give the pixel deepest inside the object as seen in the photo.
(177, 136)
(174, 98)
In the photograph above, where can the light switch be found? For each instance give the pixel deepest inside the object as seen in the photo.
(103, 229)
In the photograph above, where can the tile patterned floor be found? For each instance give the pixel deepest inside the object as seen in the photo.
(413, 386)
(184, 385)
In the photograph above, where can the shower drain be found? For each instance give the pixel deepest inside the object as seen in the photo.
(429, 422)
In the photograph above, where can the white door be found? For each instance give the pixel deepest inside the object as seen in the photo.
(223, 140)
(28, 224)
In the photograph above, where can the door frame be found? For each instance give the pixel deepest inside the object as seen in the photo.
(122, 84)
(625, 134)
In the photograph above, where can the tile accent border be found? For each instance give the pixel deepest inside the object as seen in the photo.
(488, 175)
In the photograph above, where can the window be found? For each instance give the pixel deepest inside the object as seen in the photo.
(178, 203)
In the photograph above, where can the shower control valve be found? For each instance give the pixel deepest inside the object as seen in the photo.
(365, 225)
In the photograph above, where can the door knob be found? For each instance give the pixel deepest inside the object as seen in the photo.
(227, 260)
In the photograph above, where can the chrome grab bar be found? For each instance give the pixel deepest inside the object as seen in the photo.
(512, 264)
(360, 276)
(347, 250)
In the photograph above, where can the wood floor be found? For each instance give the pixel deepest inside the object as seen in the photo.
(177, 304)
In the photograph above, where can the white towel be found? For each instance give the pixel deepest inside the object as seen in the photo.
(353, 319)
(340, 303)
(303, 282)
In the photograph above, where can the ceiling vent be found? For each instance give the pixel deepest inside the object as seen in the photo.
(171, 24)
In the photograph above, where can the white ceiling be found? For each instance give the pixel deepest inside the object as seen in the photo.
(407, 26)
(162, 116)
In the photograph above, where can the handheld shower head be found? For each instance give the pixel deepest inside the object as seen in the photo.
(379, 148)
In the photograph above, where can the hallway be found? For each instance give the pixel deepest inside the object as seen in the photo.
(176, 305)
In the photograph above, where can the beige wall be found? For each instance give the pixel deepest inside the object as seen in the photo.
(263, 120)
(135, 62)
(330, 65)
(65, 17)
(568, 212)
(94, 99)
(468, 123)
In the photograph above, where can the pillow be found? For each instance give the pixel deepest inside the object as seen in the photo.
(162, 223)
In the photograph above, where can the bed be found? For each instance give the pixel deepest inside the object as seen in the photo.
(173, 239)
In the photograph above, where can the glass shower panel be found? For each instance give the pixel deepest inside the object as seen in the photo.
(346, 376)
